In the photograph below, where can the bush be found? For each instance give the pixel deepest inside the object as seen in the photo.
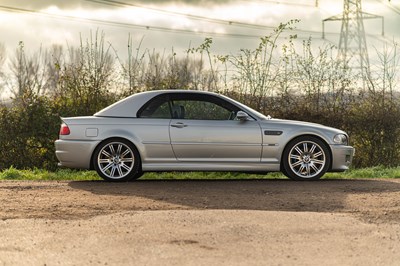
(27, 133)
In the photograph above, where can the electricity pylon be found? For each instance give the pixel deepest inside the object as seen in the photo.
(352, 44)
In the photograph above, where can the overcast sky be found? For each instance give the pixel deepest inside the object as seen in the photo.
(18, 23)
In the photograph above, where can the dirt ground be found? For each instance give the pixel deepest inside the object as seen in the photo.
(246, 222)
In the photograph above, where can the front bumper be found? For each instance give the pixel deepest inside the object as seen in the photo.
(342, 157)
(75, 153)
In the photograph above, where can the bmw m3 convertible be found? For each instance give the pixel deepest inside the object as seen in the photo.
(179, 130)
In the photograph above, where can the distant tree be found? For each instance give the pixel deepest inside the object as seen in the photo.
(208, 76)
(132, 68)
(86, 78)
(152, 70)
(256, 70)
(324, 83)
(2, 60)
(172, 72)
(28, 74)
(375, 117)
(54, 61)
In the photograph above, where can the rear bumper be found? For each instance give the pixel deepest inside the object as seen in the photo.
(74, 153)
(342, 157)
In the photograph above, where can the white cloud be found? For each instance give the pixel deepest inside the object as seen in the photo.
(36, 30)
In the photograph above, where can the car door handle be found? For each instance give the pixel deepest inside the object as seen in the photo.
(179, 125)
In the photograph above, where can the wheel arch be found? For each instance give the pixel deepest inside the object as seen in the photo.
(307, 135)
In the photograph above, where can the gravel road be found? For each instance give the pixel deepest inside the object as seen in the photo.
(246, 222)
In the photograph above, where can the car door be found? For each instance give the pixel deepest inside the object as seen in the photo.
(152, 126)
(204, 129)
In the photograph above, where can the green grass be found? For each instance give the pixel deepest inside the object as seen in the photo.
(371, 172)
(39, 174)
(67, 174)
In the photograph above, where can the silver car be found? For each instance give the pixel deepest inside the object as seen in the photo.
(176, 130)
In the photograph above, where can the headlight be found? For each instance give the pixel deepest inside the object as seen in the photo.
(341, 139)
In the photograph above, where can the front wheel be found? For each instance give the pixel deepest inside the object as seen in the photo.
(117, 160)
(306, 158)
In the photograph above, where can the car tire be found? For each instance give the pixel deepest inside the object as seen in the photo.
(306, 158)
(117, 160)
(138, 175)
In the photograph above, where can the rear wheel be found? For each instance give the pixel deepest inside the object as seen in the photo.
(306, 158)
(117, 160)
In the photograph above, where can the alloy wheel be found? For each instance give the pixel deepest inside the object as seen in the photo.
(307, 159)
(116, 160)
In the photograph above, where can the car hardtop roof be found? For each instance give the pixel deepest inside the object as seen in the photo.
(157, 92)
(129, 106)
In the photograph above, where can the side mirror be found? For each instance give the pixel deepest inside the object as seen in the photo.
(242, 116)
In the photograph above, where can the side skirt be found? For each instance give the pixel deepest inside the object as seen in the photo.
(229, 167)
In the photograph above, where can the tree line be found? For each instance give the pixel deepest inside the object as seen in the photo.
(285, 79)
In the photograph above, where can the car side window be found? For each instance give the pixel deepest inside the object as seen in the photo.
(198, 106)
(200, 110)
(188, 106)
(158, 107)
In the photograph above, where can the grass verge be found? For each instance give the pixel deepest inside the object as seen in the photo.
(74, 175)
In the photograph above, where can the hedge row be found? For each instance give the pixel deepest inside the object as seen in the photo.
(30, 126)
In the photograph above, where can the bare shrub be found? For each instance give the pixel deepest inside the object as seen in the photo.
(86, 76)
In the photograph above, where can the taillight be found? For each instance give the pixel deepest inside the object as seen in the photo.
(64, 130)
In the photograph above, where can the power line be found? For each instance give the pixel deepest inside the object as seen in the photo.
(392, 7)
(191, 16)
(126, 25)
(132, 25)
(164, 29)
(284, 3)
(178, 14)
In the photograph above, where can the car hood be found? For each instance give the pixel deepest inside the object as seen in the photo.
(299, 126)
